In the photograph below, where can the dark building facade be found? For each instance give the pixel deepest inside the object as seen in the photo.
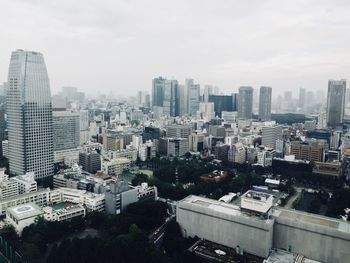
(223, 103)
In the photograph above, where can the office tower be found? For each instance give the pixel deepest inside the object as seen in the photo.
(66, 130)
(182, 102)
(170, 98)
(193, 94)
(2, 124)
(157, 91)
(208, 90)
(347, 98)
(178, 131)
(270, 134)
(265, 103)
(165, 95)
(224, 103)
(302, 97)
(147, 101)
(29, 115)
(336, 102)
(245, 103)
(84, 120)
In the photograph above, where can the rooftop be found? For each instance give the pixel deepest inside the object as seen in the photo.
(221, 207)
(21, 212)
(303, 217)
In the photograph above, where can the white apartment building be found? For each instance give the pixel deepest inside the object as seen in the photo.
(115, 167)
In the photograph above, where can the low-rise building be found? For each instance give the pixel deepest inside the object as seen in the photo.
(23, 215)
(63, 211)
(115, 167)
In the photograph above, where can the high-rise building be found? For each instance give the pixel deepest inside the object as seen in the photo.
(170, 98)
(245, 103)
(65, 130)
(270, 134)
(157, 91)
(193, 94)
(265, 103)
(84, 120)
(208, 90)
(29, 115)
(336, 102)
(307, 151)
(224, 103)
(302, 97)
(165, 94)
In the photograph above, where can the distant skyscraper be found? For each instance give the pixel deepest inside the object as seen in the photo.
(193, 94)
(302, 97)
(29, 114)
(208, 90)
(245, 103)
(157, 91)
(265, 103)
(336, 102)
(170, 98)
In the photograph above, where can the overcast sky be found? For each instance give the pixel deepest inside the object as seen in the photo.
(120, 45)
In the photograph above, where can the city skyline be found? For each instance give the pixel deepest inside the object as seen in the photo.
(113, 46)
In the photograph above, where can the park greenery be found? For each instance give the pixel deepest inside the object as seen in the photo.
(120, 238)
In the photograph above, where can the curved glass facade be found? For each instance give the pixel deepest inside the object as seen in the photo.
(29, 114)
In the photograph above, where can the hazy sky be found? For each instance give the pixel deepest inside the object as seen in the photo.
(104, 45)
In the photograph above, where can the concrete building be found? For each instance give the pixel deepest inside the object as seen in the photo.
(63, 211)
(118, 196)
(265, 103)
(23, 215)
(245, 103)
(309, 152)
(206, 111)
(270, 134)
(147, 151)
(29, 115)
(90, 161)
(115, 167)
(16, 185)
(196, 142)
(177, 146)
(225, 224)
(221, 152)
(178, 131)
(336, 102)
(66, 131)
(313, 236)
(84, 120)
(237, 153)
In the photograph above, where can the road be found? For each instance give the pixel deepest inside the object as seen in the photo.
(289, 204)
(156, 236)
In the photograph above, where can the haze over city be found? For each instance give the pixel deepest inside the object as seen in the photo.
(120, 46)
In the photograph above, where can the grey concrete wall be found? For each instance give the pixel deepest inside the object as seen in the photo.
(313, 241)
(253, 235)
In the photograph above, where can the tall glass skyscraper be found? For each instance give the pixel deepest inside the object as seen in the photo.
(265, 103)
(336, 102)
(245, 103)
(29, 114)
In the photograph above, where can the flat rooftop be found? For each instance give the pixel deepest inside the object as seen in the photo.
(221, 207)
(24, 211)
(315, 219)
